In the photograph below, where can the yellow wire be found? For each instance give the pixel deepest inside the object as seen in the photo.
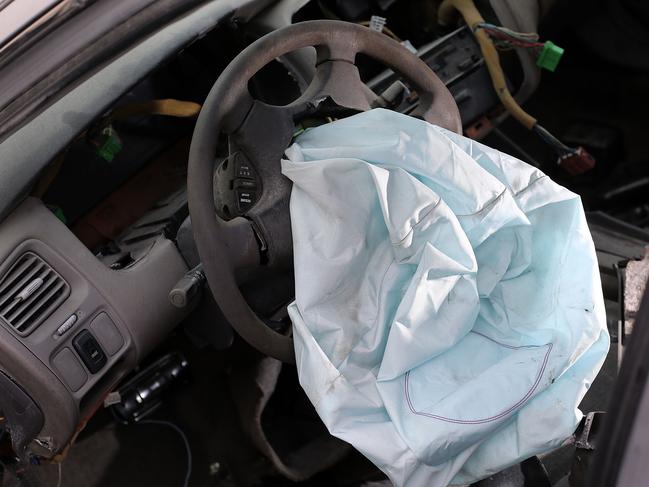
(472, 17)
(169, 107)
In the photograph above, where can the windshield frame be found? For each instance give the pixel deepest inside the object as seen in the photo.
(24, 22)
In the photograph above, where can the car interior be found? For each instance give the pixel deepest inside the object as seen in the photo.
(146, 258)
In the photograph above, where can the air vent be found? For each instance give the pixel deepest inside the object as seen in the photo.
(30, 292)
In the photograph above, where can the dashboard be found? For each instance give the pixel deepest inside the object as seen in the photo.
(72, 326)
(73, 349)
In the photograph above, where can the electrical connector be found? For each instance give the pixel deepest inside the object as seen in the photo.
(377, 23)
(108, 144)
(577, 162)
(550, 56)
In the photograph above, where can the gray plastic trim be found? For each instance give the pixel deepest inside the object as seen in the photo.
(135, 299)
(42, 59)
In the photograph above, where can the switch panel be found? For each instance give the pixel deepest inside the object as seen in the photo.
(66, 325)
(90, 352)
(236, 186)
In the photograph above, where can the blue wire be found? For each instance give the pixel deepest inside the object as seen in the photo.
(185, 441)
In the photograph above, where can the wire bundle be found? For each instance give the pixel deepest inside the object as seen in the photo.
(575, 160)
(490, 37)
(506, 39)
(560, 148)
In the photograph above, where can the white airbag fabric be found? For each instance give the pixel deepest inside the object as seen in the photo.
(448, 315)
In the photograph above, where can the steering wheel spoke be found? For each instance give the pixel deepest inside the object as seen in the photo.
(263, 137)
(340, 81)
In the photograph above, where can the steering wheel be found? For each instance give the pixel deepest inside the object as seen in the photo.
(258, 135)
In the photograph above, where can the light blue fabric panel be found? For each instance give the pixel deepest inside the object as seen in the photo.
(448, 315)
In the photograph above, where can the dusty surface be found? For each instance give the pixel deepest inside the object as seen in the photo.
(637, 272)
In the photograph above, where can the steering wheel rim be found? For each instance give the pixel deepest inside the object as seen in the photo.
(229, 103)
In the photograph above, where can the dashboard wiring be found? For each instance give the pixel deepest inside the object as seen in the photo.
(506, 39)
(575, 160)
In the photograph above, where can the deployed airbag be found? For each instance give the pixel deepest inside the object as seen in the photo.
(448, 315)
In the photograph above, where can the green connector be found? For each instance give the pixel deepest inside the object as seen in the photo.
(550, 56)
(110, 144)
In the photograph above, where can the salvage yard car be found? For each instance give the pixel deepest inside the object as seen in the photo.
(149, 257)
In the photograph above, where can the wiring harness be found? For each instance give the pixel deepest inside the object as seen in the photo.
(506, 39)
(547, 53)
(575, 160)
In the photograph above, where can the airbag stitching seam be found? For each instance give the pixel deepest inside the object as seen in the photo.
(498, 416)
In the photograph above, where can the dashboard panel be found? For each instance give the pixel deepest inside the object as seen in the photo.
(106, 322)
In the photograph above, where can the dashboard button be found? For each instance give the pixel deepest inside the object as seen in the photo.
(244, 169)
(67, 324)
(245, 199)
(89, 351)
(107, 334)
(244, 184)
(70, 369)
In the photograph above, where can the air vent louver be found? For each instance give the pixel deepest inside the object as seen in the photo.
(29, 292)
